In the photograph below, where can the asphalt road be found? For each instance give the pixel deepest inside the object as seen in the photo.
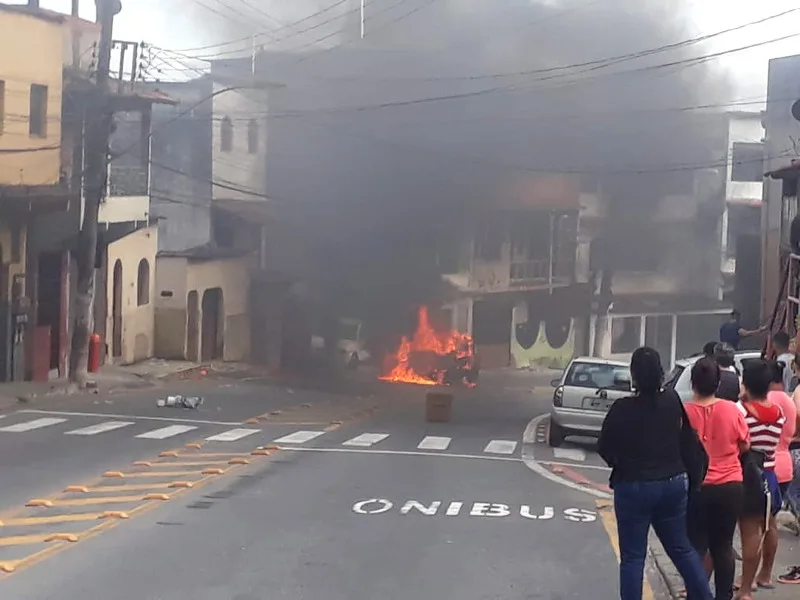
(355, 496)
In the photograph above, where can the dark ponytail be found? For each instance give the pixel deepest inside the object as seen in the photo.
(646, 371)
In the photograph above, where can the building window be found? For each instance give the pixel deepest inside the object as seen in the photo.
(143, 283)
(226, 135)
(489, 238)
(252, 136)
(37, 115)
(2, 104)
(747, 162)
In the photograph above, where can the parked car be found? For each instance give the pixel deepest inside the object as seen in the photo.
(583, 395)
(679, 379)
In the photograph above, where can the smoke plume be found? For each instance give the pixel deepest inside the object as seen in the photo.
(388, 146)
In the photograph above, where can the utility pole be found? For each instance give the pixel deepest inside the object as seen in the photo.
(97, 132)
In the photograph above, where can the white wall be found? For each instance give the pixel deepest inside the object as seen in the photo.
(743, 129)
(239, 168)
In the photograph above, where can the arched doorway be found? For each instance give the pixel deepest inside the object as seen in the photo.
(193, 327)
(116, 311)
(212, 326)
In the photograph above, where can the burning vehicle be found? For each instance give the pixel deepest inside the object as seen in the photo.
(430, 357)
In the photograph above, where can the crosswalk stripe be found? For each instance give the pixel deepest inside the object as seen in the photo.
(298, 437)
(166, 432)
(366, 439)
(232, 435)
(500, 447)
(30, 425)
(100, 428)
(432, 442)
(570, 454)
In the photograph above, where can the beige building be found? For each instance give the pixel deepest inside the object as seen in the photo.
(131, 262)
(202, 311)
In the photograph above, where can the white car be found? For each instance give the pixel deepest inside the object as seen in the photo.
(679, 379)
(583, 394)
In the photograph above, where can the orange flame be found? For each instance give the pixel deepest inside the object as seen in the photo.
(453, 344)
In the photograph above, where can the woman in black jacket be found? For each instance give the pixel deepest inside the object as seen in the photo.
(640, 441)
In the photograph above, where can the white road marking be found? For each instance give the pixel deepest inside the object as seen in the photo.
(432, 442)
(166, 432)
(528, 442)
(570, 454)
(500, 447)
(100, 428)
(402, 453)
(136, 417)
(30, 425)
(299, 437)
(366, 439)
(557, 463)
(232, 435)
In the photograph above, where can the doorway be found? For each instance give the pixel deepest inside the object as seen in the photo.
(193, 327)
(116, 311)
(48, 309)
(212, 320)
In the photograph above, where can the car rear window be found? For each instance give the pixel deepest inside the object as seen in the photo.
(673, 376)
(596, 376)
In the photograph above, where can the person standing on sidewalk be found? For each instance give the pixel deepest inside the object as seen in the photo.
(641, 442)
(714, 511)
(780, 344)
(784, 469)
(762, 502)
(729, 388)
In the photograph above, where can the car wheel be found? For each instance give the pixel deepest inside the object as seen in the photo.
(556, 434)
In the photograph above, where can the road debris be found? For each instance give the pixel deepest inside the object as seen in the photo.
(190, 402)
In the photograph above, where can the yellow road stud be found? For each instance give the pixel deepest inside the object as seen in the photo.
(80, 489)
(213, 471)
(114, 474)
(142, 463)
(239, 461)
(172, 453)
(39, 502)
(114, 514)
(62, 537)
(157, 497)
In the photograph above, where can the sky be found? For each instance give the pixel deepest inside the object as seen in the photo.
(146, 20)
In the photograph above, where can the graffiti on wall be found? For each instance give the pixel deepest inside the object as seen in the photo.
(541, 342)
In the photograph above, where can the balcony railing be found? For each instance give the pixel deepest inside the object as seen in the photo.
(128, 181)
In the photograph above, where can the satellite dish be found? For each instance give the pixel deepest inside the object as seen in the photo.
(796, 110)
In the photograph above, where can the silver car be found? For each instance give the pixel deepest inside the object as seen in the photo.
(583, 395)
(680, 378)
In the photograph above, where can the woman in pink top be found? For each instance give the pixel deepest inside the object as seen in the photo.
(715, 509)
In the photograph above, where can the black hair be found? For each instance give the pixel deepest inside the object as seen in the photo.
(776, 371)
(705, 377)
(781, 340)
(735, 314)
(724, 354)
(756, 378)
(708, 349)
(646, 370)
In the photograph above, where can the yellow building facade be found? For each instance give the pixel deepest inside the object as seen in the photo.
(31, 84)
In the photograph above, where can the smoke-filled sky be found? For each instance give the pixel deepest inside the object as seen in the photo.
(188, 24)
(396, 177)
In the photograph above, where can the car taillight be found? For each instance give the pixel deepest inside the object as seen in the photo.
(558, 396)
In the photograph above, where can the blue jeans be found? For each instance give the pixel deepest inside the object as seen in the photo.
(662, 504)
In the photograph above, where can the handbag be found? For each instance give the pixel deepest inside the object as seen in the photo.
(693, 453)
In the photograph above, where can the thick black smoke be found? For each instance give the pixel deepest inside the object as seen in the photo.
(389, 146)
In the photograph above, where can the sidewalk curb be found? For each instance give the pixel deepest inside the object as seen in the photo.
(659, 569)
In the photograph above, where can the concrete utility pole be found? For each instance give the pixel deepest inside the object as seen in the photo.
(97, 131)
